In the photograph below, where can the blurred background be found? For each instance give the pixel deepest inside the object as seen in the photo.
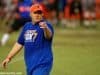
(76, 44)
(65, 13)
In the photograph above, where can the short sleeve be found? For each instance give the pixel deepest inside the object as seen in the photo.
(21, 37)
(51, 28)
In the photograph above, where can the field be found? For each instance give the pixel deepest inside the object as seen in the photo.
(76, 52)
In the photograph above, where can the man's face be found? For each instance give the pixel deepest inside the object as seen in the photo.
(36, 16)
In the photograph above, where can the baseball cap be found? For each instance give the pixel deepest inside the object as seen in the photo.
(36, 7)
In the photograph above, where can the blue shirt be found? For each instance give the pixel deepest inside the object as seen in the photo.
(28, 1)
(24, 9)
(38, 49)
(33, 1)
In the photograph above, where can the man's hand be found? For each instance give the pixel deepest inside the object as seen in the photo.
(47, 31)
(5, 62)
(43, 25)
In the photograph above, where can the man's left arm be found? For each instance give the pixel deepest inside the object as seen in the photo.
(47, 31)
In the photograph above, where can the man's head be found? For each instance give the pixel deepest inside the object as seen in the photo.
(36, 12)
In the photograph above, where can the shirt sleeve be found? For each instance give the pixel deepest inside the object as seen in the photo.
(21, 37)
(51, 28)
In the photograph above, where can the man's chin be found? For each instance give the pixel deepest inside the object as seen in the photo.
(37, 20)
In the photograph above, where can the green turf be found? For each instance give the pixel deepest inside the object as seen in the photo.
(76, 52)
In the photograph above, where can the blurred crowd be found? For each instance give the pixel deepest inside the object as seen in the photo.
(64, 13)
(67, 13)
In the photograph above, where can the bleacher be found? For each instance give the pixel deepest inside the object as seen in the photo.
(98, 9)
(67, 16)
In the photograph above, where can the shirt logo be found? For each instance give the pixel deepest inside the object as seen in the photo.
(30, 35)
(24, 8)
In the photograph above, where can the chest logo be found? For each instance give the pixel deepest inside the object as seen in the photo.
(30, 35)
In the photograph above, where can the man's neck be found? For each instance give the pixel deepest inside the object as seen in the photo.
(37, 21)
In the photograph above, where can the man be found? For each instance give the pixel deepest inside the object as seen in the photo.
(21, 16)
(36, 37)
(75, 11)
(89, 13)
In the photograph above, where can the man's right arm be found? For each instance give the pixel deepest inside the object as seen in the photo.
(16, 48)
